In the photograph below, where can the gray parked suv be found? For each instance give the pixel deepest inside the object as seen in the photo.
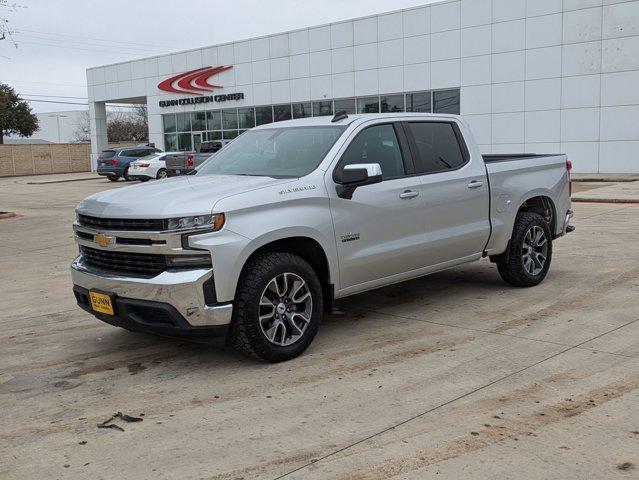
(114, 163)
(294, 215)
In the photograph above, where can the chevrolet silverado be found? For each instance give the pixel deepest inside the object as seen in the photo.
(292, 216)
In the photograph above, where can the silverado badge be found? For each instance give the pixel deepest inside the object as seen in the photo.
(350, 237)
(103, 240)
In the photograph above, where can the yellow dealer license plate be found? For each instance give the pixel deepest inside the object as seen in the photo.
(101, 303)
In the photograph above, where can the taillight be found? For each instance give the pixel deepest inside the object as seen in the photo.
(569, 169)
(189, 160)
(113, 161)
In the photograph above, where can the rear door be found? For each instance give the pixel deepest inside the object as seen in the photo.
(455, 190)
(380, 231)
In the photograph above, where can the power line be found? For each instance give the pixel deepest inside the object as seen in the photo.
(30, 100)
(47, 83)
(99, 39)
(70, 48)
(51, 96)
(76, 42)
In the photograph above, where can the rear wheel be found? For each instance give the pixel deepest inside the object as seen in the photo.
(113, 178)
(161, 174)
(529, 253)
(125, 175)
(278, 307)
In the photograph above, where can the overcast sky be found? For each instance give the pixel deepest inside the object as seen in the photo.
(58, 39)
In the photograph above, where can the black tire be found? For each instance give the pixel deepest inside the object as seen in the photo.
(144, 179)
(245, 334)
(113, 178)
(161, 174)
(511, 264)
(125, 175)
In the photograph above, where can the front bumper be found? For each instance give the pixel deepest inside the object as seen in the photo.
(179, 293)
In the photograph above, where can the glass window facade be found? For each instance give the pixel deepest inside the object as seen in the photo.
(179, 128)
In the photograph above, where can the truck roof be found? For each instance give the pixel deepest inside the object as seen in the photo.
(351, 118)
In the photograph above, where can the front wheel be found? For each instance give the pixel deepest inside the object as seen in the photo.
(161, 174)
(113, 178)
(529, 253)
(278, 307)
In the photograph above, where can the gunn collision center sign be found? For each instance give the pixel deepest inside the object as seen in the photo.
(195, 82)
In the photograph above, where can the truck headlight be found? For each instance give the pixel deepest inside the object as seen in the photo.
(209, 222)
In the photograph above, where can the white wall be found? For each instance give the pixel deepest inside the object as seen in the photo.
(48, 126)
(551, 76)
(535, 75)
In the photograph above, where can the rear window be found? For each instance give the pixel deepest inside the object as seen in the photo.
(106, 154)
(438, 148)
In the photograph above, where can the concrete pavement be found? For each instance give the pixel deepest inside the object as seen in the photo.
(450, 376)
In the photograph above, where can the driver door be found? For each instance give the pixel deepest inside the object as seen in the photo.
(380, 232)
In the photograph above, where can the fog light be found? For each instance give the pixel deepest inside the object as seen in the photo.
(189, 261)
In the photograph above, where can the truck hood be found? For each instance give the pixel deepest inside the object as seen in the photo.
(173, 197)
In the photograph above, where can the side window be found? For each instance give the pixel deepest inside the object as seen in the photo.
(129, 153)
(437, 146)
(377, 144)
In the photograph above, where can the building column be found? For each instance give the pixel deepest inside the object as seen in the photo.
(98, 126)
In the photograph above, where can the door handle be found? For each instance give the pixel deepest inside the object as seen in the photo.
(408, 194)
(475, 184)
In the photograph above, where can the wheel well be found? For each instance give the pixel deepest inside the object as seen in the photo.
(544, 206)
(311, 252)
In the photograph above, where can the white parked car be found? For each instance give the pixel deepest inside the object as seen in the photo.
(150, 167)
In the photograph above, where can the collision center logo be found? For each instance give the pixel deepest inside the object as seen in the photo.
(193, 81)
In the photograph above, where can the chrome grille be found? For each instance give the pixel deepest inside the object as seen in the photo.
(141, 263)
(122, 223)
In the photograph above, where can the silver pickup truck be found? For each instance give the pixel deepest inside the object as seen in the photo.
(292, 216)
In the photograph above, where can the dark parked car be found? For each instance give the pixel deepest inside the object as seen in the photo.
(114, 163)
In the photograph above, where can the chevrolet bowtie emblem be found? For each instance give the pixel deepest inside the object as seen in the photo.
(103, 240)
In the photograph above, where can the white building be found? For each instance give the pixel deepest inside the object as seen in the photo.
(535, 76)
(54, 127)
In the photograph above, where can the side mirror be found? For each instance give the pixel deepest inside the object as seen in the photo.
(357, 175)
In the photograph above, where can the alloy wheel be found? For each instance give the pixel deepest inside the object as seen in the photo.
(534, 250)
(285, 309)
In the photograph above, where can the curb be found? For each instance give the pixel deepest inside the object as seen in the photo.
(605, 180)
(630, 201)
(63, 181)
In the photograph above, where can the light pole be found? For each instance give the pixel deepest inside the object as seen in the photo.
(58, 116)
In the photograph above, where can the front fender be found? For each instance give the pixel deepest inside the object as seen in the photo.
(230, 252)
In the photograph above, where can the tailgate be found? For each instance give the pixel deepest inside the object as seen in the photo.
(174, 162)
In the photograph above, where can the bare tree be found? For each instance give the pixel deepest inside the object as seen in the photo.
(5, 31)
(82, 131)
(131, 126)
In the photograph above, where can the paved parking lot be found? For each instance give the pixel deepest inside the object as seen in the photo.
(455, 375)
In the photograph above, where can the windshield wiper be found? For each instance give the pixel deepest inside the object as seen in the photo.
(250, 175)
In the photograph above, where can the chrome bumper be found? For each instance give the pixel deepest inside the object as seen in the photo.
(183, 289)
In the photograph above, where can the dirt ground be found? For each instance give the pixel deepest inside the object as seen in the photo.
(456, 375)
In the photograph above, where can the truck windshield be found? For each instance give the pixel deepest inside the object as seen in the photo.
(289, 152)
